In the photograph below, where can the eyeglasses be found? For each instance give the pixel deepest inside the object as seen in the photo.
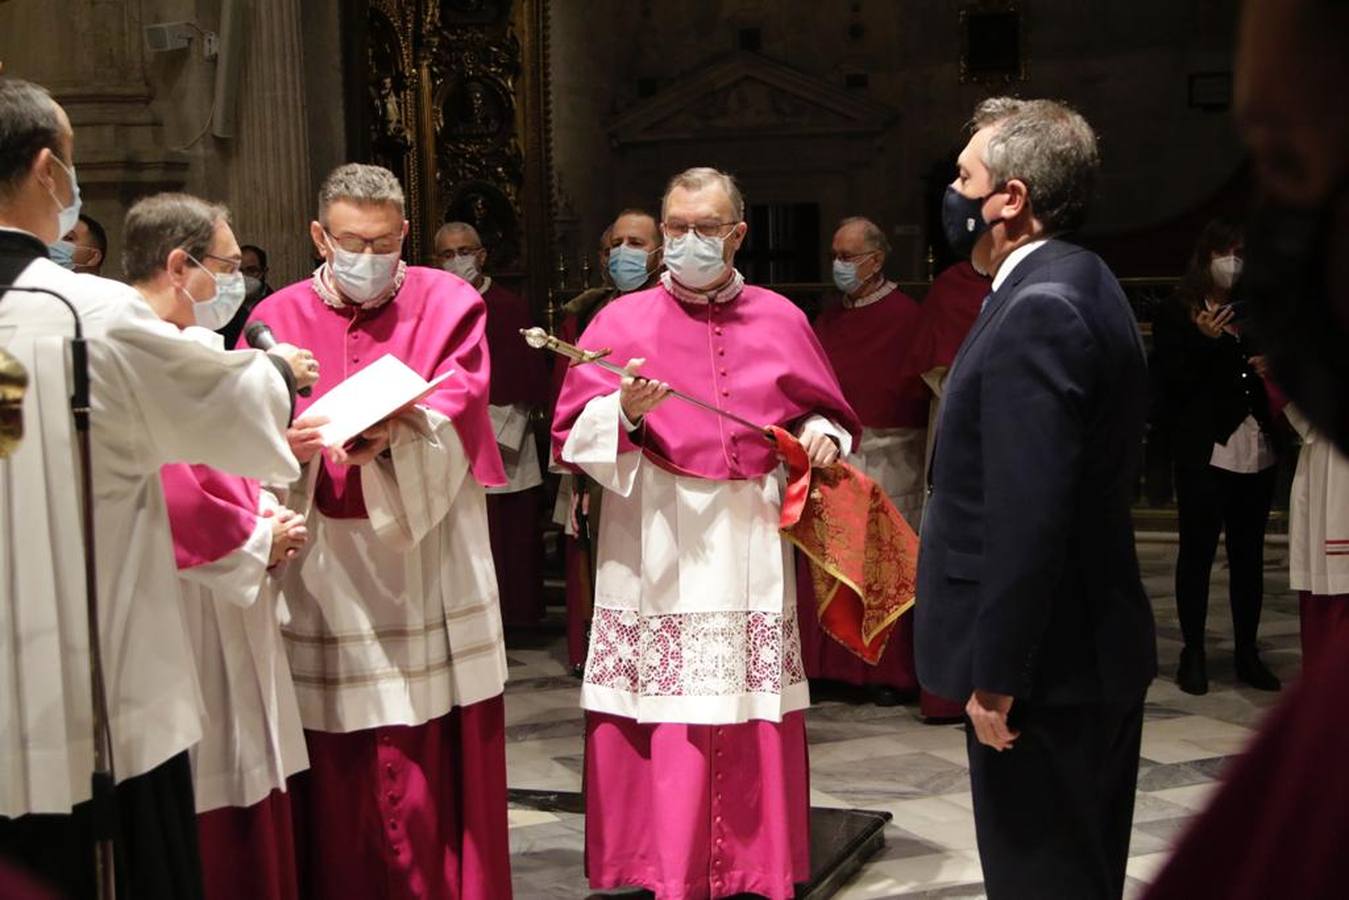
(354, 243)
(704, 229)
(231, 265)
(451, 252)
(853, 257)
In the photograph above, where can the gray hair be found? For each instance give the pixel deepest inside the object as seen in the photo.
(450, 228)
(161, 223)
(360, 183)
(29, 123)
(699, 177)
(872, 235)
(1049, 146)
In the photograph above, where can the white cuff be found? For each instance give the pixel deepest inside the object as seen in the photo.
(592, 444)
(818, 424)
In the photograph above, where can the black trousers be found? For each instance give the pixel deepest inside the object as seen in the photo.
(1211, 500)
(1053, 813)
(157, 854)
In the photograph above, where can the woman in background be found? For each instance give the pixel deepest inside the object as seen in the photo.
(1217, 412)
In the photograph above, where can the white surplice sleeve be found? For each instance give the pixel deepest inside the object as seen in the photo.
(410, 493)
(593, 445)
(179, 393)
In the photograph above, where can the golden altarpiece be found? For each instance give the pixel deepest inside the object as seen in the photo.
(452, 95)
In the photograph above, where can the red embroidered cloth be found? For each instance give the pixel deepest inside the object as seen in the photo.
(863, 555)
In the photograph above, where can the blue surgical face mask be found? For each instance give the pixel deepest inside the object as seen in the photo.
(68, 216)
(627, 267)
(63, 254)
(215, 313)
(695, 261)
(845, 277)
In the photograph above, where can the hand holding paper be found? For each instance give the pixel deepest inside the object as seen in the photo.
(367, 399)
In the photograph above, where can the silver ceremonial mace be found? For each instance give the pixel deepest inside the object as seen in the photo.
(542, 340)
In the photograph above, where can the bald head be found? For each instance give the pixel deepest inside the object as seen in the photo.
(460, 250)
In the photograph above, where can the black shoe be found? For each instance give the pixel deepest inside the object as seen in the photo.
(884, 695)
(1192, 674)
(1254, 672)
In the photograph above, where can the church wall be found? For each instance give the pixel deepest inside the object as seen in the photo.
(142, 120)
(1124, 63)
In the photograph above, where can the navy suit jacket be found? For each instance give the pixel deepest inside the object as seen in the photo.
(1028, 580)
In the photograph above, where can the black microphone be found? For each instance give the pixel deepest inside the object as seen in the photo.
(258, 336)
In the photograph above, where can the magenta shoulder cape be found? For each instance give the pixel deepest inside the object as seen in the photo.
(755, 356)
(211, 513)
(435, 323)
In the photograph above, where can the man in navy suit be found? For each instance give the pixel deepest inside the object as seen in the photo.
(1030, 606)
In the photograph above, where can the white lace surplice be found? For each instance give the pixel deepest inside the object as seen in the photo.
(695, 597)
(394, 618)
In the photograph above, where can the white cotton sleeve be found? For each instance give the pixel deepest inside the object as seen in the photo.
(178, 390)
(817, 424)
(239, 577)
(593, 445)
(409, 493)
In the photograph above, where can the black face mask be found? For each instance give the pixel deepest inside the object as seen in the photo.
(1286, 290)
(962, 220)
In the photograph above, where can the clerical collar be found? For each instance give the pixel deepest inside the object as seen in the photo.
(327, 291)
(486, 285)
(724, 294)
(871, 296)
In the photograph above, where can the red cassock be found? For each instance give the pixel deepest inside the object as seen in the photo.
(870, 348)
(1279, 825)
(520, 377)
(949, 309)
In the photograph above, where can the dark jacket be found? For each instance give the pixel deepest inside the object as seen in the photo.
(1028, 581)
(1205, 387)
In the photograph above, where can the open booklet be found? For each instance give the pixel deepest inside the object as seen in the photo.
(375, 393)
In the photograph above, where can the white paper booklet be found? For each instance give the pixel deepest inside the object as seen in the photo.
(371, 395)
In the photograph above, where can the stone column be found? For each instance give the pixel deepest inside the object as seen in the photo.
(270, 188)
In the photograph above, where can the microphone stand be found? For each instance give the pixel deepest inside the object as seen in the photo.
(103, 804)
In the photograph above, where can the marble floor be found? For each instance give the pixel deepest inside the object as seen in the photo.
(886, 759)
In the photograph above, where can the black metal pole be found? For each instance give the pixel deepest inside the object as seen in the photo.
(103, 804)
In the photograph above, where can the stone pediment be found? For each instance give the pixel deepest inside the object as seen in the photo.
(749, 96)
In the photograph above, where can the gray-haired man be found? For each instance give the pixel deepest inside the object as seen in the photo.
(394, 638)
(1030, 606)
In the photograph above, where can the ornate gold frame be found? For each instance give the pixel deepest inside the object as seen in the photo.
(457, 104)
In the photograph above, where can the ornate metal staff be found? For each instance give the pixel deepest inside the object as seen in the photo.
(542, 340)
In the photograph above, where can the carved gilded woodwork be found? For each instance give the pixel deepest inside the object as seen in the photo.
(456, 104)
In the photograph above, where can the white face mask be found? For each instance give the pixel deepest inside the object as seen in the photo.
(362, 277)
(466, 267)
(68, 216)
(216, 313)
(695, 261)
(1225, 270)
